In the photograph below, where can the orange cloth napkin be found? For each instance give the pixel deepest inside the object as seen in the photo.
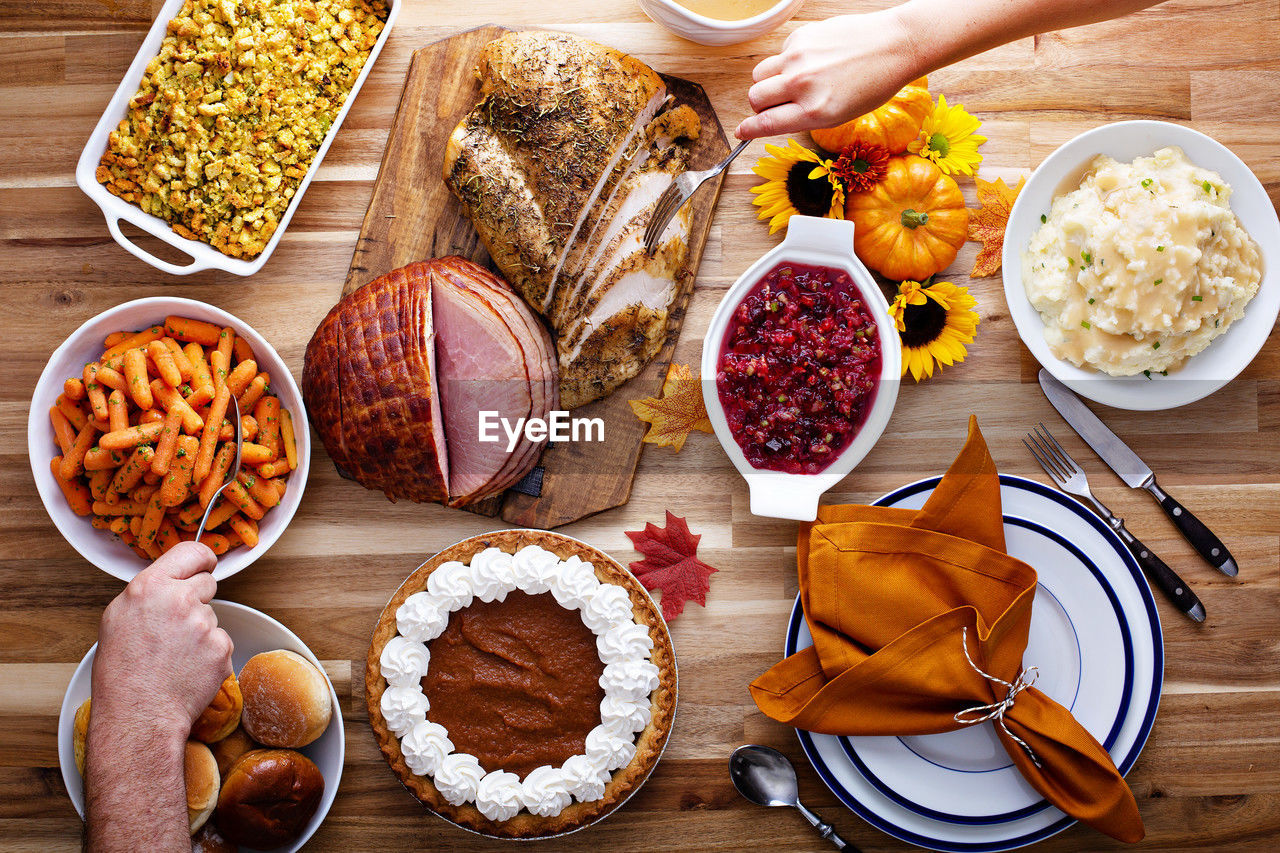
(891, 595)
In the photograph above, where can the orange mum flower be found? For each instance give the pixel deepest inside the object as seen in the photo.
(861, 166)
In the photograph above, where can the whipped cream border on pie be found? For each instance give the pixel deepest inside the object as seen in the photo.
(629, 678)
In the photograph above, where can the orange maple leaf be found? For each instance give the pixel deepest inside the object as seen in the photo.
(677, 412)
(988, 223)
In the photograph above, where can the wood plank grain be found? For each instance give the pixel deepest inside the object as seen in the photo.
(33, 60)
(98, 14)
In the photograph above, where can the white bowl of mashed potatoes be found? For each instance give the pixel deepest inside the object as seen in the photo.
(1142, 265)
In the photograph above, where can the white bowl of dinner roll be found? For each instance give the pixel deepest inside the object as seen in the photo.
(253, 634)
(85, 344)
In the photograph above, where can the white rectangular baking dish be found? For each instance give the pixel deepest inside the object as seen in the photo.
(203, 256)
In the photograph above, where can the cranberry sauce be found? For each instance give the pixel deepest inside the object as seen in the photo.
(798, 368)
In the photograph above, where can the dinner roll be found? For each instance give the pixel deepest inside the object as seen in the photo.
(223, 714)
(201, 774)
(80, 733)
(268, 798)
(231, 747)
(286, 699)
(210, 840)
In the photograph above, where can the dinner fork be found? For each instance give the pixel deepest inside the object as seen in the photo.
(680, 191)
(231, 476)
(1070, 478)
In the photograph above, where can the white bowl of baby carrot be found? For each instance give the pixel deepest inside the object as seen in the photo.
(130, 434)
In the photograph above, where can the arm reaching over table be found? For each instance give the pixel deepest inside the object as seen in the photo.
(161, 658)
(834, 70)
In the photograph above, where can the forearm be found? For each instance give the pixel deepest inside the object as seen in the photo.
(945, 31)
(134, 785)
(834, 70)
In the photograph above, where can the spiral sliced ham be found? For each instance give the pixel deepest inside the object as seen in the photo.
(397, 374)
(538, 359)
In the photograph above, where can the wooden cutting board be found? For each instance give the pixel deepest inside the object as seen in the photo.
(413, 216)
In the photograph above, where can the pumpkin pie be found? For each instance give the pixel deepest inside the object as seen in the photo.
(521, 684)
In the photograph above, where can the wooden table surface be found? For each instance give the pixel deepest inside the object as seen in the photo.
(1210, 774)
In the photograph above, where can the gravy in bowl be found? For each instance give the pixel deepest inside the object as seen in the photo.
(728, 10)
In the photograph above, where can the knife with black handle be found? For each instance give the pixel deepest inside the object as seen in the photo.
(1135, 473)
(1156, 570)
(1194, 530)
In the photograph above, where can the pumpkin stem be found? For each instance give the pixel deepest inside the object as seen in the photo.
(914, 218)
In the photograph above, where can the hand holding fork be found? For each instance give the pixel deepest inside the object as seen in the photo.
(680, 191)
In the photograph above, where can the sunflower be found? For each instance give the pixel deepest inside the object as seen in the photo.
(861, 166)
(797, 181)
(948, 137)
(935, 321)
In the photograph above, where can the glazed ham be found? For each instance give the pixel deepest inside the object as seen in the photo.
(397, 374)
(492, 355)
(559, 168)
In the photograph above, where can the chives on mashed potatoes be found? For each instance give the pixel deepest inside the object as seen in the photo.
(1141, 266)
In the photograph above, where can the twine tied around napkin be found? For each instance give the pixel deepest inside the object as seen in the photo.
(886, 591)
(997, 710)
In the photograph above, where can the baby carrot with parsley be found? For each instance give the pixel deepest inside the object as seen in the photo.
(144, 438)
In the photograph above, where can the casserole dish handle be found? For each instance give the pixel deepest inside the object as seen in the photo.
(113, 225)
(814, 234)
(793, 496)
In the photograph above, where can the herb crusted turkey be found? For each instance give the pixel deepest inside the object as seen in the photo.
(559, 167)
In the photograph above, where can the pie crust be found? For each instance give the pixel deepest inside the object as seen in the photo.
(650, 741)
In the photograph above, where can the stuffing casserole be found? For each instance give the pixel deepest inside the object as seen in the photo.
(229, 115)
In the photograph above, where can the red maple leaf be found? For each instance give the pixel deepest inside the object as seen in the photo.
(671, 565)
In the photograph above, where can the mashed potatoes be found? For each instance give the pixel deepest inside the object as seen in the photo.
(1142, 266)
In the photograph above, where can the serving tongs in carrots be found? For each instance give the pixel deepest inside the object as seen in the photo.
(232, 474)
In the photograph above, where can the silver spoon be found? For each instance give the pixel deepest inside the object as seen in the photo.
(231, 475)
(767, 778)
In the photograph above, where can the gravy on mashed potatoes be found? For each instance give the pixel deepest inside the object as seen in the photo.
(1141, 266)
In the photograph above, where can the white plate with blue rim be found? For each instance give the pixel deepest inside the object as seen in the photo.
(1096, 641)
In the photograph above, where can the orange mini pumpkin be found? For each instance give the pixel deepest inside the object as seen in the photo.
(912, 224)
(893, 125)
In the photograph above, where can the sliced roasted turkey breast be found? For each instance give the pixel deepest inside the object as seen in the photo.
(625, 326)
(564, 110)
(559, 168)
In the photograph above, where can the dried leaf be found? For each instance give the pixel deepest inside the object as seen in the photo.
(677, 412)
(988, 223)
(671, 565)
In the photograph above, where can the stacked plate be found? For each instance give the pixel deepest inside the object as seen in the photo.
(1096, 641)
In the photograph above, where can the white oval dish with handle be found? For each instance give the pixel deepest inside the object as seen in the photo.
(203, 256)
(821, 243)
(1223, 359)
